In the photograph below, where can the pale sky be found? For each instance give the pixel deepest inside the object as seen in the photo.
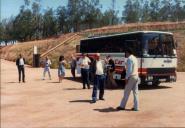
(11, 7)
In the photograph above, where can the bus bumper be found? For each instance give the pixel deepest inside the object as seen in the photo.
(158, 78)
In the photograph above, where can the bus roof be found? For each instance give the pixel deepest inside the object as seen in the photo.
(136, 32)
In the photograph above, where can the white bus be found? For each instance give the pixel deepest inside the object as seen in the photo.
(155, 50)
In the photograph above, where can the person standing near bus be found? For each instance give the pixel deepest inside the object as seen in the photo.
(110, 82)
(20, 66)
(78, 67)
(61, 68)
(131, 79)
(85, 64)
(73, 66)
(47, 64)
(99, 81)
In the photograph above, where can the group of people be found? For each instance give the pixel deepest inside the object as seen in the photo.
(97, 69)
(46, 64)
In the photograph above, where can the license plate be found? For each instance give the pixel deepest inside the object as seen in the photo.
(117, 76)
(162, 80)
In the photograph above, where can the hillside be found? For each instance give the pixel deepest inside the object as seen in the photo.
(66, 49)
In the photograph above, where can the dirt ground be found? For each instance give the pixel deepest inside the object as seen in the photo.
(46, 103)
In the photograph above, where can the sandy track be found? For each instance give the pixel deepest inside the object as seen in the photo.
(39, 103)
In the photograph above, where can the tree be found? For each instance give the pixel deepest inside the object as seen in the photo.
(165, 12)
(91, 13)
(23, 27)
(37, 19)
(49, 23)
(154, 10)
(109, 18)
(145, 15)
(62, 17)
(178, 13)
(2, 31)
(113, 14)
(132, 11)
(74, 15)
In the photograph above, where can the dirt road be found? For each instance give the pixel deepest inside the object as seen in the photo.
(46, 103)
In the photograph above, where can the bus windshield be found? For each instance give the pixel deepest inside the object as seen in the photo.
(158, 44)
(112, 44)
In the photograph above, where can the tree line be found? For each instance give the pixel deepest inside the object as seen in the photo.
(31, 23)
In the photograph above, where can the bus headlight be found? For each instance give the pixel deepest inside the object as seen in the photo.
(150, 78)
(172, 78)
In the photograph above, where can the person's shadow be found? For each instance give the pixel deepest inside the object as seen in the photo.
(110, 109)
(80, 101)
(11, 82)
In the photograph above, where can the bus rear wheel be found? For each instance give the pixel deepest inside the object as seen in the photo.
(156, 83)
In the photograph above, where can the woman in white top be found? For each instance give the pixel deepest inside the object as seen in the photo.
(47, 64)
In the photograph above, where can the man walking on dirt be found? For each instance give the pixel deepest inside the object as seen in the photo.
(20, 66)
(131, 79)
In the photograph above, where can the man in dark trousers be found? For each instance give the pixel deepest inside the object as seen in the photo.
(20, 66)
(85, 64)
(99, 80)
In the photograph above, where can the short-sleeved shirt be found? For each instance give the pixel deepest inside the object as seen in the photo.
(99, 67)
(85, 62)
(47, 63)
(21, 61)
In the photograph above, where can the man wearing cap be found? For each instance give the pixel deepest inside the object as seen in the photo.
(99, 79)
(132, 80)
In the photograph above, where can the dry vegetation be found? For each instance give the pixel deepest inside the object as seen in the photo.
(11, 52)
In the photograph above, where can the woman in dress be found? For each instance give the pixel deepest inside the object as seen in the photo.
(61, 68)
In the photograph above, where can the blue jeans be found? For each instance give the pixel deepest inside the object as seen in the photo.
(98, 84)
(85, 77)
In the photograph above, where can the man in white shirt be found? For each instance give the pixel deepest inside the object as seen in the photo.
(85, 64)
(99, 79)
(131, 79)
(20, 66)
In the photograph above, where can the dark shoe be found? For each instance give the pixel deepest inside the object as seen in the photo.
(93, 101)
(84, 88)
(133, 109)
(120, 108)
(89, 88)
(101, 99)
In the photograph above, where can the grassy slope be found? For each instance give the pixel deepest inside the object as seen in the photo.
(180, 37)
(11, 52)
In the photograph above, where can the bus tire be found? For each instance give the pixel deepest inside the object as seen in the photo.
(156, 83)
